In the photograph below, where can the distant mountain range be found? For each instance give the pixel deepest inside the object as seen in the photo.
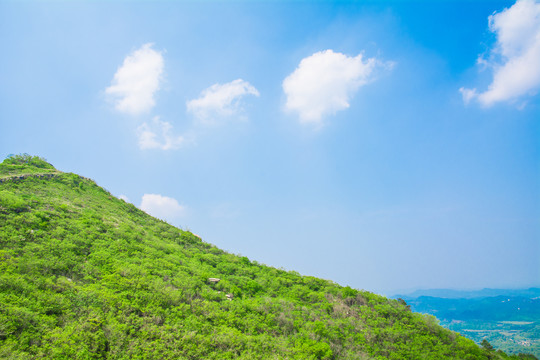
(471, 294)
(509, 319)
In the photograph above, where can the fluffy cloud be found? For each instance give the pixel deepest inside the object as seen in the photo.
(324, 82)
(220, 100)
(162, 207)
(136, 81)
(158, 135)
(123, 197)
(515, 59)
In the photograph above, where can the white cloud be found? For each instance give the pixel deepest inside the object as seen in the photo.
(123, 197)
(220, 100)
(324, 82)
(136, 81)
(515, 59)
(468, 94)
(162, 207)
(158, 135)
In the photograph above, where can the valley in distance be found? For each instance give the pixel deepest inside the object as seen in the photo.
(509, 319)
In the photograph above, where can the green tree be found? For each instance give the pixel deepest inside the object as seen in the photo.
(486, 345)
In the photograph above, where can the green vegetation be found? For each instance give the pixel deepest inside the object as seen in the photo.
(509, 336)
(509, 322)
(24, 164)
(85, 275)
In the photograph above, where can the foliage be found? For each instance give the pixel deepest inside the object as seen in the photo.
(86, 275)
(24, 164)
(486, 345)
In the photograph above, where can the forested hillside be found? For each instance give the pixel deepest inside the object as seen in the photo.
(85, 275)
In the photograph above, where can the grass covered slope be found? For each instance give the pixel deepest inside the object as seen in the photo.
(86, 275)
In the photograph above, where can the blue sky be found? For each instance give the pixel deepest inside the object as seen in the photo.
(385, 145)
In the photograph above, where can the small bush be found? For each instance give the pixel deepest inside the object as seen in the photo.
(26, 159)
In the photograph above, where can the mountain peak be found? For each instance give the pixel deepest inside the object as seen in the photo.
(24, 164)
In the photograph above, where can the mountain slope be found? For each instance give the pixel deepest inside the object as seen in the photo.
(86, 275)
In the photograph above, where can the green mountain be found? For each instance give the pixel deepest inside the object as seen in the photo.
(84, 275)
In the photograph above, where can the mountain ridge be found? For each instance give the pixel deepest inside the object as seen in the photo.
(530, 292)
(86, 275)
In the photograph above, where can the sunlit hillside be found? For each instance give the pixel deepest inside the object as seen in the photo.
(86, 275)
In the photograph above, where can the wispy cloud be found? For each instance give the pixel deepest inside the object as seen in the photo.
(136, 81)
(220, 100)
(515, 58)
(158, 135)
(324, 82)
(162, 207)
